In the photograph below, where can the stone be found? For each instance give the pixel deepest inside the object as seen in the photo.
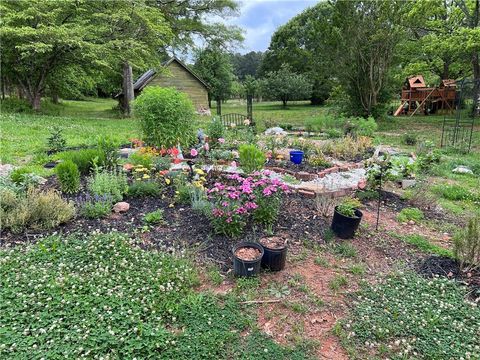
(462, 170)
(121, 207)
(411, 222)
(303, 175)
(6, 169)
(126, 152)
(407, 183)
(275, 131)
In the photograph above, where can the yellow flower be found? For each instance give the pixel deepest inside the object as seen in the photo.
(146, 176)
(171, 205)
(167, 181)
(200, 171)
(138, 178)
(203, 179)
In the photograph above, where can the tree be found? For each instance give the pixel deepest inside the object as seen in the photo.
(41, 39)
(214, 66)
(303, 44)
(366, 36)
(286, 85)
(247, 64)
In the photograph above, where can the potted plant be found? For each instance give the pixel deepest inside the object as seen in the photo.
(346, 218)
(275, 253)
(247, 258)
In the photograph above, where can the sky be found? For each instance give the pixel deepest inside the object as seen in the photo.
(260, 19)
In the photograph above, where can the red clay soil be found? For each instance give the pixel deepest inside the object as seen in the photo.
(248, 253)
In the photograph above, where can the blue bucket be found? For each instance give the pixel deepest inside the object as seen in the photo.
(296, 156)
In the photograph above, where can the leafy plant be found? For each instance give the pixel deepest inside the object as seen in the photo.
(409, 139)
(145, 160)
(112, 184)
(161, 163)
(154, 217)
(467, 245)
(361, 126)
(56, 142)
(408, 214)
(319, 161)
(84, 159)
(140, 188)
(94, 207)
(166, 117)
(454, 192)
(36, 210)
(109, 149)
(69, 176)
(215, 131)
(251, 158)
(348, 206)
(307, 146)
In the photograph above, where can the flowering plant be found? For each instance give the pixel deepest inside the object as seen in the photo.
(234, 203)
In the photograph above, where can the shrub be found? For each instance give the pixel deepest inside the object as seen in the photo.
(56, 142)
(24, 177)
(69, 177)
(319, 161)
(333, 133)
(113, 184)
(144, 189)
(84, 159)
(408, 214)
(251, 158)
(467, 245)
(199, 202)
(232, 205)
(94, 207)
(348, 206)
(348, 148)
(366, 127)
(304, 145)
(154, 217)
(215, 130)
(409, 139)
(166, 117)
(161, 163)
(8, 199)
(145, 160)
(37, 210)
(109, 149)
(17, 175)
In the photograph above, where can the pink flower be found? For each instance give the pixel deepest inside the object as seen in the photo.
(206, 147)
(250, 205)
(225, 204)
(233, 164)
(221, 140)
(229, 220)
(193, 152)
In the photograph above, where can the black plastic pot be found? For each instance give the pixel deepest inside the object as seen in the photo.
(344, 226)
(50, 165)
(243, 267)
(274, 259)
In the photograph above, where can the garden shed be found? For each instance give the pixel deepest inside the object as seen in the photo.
(179, 76)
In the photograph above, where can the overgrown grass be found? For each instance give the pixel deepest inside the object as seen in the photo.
(99, 296)
(423, 244)
(408, 317)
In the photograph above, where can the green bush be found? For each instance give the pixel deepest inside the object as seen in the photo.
(366, 127)
(15, 105)
(161, 163)
(408, 214)
(467, 245)
(166, 116)
(84, 158)
(409, 139)
(56, 142)
(216, 130)
(251, 158)
(17, 175)
(154, 217)
(139, 159)
(37, 210)
(113, 184)
(144, 189)
(348, 206)
(109, 149)
(318, 160)
(95, 207)
(334, 133)
(24, 177)
(68, 176)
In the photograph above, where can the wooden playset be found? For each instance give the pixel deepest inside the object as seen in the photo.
(417, 98)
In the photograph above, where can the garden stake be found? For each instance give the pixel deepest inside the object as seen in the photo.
(379, 198)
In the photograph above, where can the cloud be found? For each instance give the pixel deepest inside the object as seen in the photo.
(260, 19)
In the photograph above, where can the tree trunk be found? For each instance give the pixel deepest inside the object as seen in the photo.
(219, 107)
(128, 93)
(55, 98)
(35, 100)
